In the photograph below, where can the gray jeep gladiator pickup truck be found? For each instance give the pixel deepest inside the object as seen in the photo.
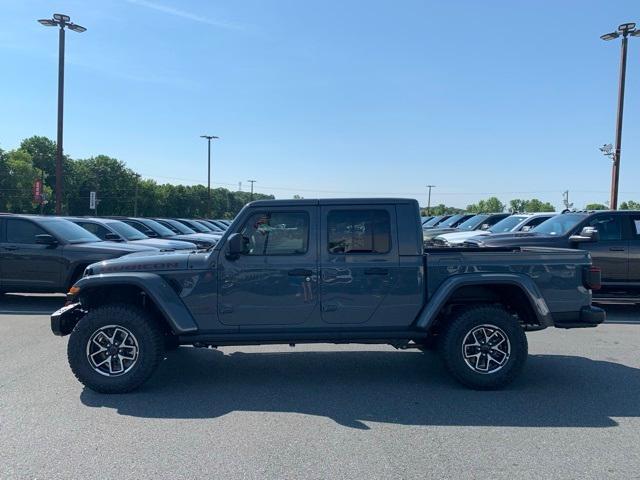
(330, 271)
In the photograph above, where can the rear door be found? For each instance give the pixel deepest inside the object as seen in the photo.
(25, 263)
(274, 281)
(359, 263)
(611, 251)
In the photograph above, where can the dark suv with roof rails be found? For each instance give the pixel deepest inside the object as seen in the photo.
(611, 236)
(154, 229)
(48, 254)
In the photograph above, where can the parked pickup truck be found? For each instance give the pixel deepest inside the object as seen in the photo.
(337, 271)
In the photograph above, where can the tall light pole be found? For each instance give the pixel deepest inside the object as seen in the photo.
(62, 21)
(429, 200)
(209, 138)
(251, 182)
(624, 30)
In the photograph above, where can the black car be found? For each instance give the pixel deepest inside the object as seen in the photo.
(154, 229)
(48, 254)
(611, 236)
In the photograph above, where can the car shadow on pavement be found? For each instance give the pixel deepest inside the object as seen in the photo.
(353, 388)
(24, 304)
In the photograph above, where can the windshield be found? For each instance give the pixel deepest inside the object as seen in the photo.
(71, 232)
(126, 231)
(433, 221)
(196, 226)
(177, 226)
(158, 228)
(474, 222)
(507, 224)
(451, 221)
(560, 224)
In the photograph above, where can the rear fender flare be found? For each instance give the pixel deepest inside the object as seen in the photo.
(442, 295)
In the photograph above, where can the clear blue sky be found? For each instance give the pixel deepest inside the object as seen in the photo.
(336, 98)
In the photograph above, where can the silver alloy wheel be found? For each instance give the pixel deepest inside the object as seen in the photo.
(112, 350)
(486, 349)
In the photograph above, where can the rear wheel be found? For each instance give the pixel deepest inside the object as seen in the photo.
(484, 347)
(115, 348)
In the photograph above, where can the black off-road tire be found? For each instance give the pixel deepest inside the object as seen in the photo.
(471, 320)
(146, 331)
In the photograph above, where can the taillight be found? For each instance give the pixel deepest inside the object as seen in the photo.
(591, 278)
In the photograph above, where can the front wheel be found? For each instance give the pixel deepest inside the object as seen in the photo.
(484, 347)
(115, 348)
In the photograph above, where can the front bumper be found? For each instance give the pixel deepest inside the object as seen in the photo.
(63, 320)
(589, 316)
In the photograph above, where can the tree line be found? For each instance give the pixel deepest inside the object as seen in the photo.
(120, 190)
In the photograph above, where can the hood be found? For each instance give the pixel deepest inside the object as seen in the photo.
(434, 232)
(519, 239)
(200, 239)
(108, 247)
(165, 244)
(462, 236)
(152, 261)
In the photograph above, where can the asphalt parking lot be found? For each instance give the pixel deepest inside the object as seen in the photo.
(321, 411)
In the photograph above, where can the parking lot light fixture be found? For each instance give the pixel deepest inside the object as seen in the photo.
(209, 138)
(62, 21)
(624, 30)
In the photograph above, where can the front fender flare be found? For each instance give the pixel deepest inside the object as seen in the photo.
(156, 288)
(442, 295)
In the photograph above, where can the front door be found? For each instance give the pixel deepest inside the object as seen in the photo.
(611, 251)
(359, 263)
(26, 263)
(274, 281)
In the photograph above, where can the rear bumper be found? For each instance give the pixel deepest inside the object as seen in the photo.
(589, 316)
(63, 320)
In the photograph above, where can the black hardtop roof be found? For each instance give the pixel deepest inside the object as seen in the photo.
(331, 201)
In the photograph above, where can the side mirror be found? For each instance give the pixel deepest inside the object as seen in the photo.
(484, 226)
(587, 234)
(526, 228)
(46, 239)
(235, 245)
(114, 237)
(151, 234)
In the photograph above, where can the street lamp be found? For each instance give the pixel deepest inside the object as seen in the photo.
(62, 21)
(625, 30)
(209, 138)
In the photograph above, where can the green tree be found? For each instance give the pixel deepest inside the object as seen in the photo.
(596, 206)
(630, 205)
(490, 205)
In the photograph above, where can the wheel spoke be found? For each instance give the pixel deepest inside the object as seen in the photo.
(486, 349)
(112, 350)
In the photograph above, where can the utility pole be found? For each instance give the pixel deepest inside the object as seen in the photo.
(135, 201)
(62, 21)
(429, 200)
(625, 30)
(251, 182)
(209, 138)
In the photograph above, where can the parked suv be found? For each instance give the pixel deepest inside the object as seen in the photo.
(479, 222)
(449, 225)
(48, 254)
(611, 236)
(110, 229)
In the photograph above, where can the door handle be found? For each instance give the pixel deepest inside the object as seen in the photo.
(376, 271)
(617, 249)
(300, 272)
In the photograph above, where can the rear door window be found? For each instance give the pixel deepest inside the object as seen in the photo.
(609, 227)
(358, 231)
